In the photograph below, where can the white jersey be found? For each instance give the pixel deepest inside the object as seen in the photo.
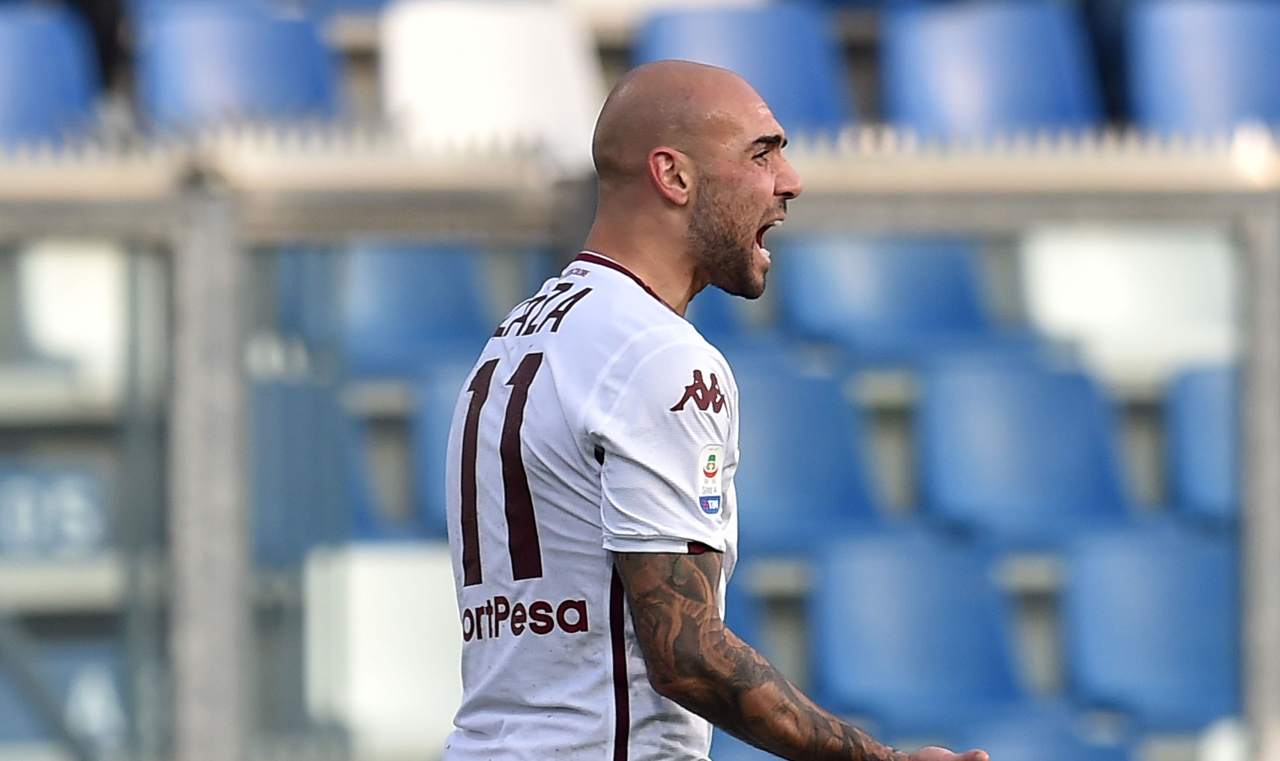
(596, 420)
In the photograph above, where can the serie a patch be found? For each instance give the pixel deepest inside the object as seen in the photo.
(710, 463)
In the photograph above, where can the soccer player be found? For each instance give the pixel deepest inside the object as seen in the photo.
(592, 514)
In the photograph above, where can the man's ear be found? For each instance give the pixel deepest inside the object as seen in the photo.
(671, 173)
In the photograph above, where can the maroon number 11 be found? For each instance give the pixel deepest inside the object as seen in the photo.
(522, 528)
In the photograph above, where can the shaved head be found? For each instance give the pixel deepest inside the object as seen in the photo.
(680, 104)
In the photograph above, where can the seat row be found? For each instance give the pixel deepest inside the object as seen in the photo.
(947, 68)
(909, 636)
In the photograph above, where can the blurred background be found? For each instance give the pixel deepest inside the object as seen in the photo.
(994, 488)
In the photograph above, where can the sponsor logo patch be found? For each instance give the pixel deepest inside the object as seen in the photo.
(709, 505)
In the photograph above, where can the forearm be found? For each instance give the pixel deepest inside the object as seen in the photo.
(738, 690)
(694, 659)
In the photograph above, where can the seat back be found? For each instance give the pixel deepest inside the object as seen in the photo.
(53, 510)
(787, 52)
(1193, 64)
(976, 69)
(1021, 453)
(1202, 442)
(1029, 738)
(48, 73)
(875, 291)
(400, 303)
(803, 474)
(1152, 625)
(458, 74)
(201, 63)
(908, 625)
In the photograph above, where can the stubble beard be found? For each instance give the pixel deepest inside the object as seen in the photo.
(717, 229)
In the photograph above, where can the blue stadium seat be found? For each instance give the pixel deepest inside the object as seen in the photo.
(726, 747)
(803, 476)
(53, 510)
(888, 301)
(402, 304)
(437, 395)
(310, 480)
(1017, 454)
(201, 64)
(787, 52)
(1194, 64)
(909, 631)
(84, 677)
(1040, 738)
(1202, 443)
(1152, 625)
(48, 74)
(987, 67)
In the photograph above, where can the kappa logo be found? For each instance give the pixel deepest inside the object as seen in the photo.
(701, 394)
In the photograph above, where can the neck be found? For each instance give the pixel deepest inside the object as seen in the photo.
(659, 260)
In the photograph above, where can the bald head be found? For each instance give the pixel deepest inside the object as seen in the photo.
(679, 104)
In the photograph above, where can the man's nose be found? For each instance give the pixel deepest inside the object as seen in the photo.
(788, 183)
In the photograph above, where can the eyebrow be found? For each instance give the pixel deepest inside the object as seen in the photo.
(769, 141)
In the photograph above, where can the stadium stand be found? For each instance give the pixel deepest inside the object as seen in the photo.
(53, 510)
(1050, 737)
(787, 52)
(1018, 455)
(726, 747)
(1202, 443)
(888, 301)
(1193, 64)
(404, 304)
(202, 64)
(522, 72)
(974, 69)
(814, 480)
(49, 79)
(84, 677)
(910, 632)
(437, 394)
(1139, 302)
(1151, 620)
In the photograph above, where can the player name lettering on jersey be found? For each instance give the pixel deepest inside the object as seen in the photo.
(539, 617)
(544, 311)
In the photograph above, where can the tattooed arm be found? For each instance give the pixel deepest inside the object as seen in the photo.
(693, 659)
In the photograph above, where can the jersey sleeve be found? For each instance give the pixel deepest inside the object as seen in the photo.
(663, 440)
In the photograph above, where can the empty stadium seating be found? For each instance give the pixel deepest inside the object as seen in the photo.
(202, 64)
(520, 72)
(804, 472)
(403, 304)
(1193, 64)
(787, 52)
(1018, 455)
(49, 80)
(1151, 621)
(1203, 442)
(908, 630)
(888, 301)
(84, 679)
(55, 510)
(975, 69)
(1052, 737)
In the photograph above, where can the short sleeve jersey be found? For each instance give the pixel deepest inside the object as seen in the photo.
(596, 421)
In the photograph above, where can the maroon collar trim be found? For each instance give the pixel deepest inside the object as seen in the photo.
(594, 258)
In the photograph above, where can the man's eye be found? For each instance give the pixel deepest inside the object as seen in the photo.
(762, 155)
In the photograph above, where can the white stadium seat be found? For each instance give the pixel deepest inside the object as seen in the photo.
(1138, 302)
(471, 75)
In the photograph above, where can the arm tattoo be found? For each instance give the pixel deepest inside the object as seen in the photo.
(694, 659)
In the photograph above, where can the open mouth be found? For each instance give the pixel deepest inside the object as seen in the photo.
(760, 233)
